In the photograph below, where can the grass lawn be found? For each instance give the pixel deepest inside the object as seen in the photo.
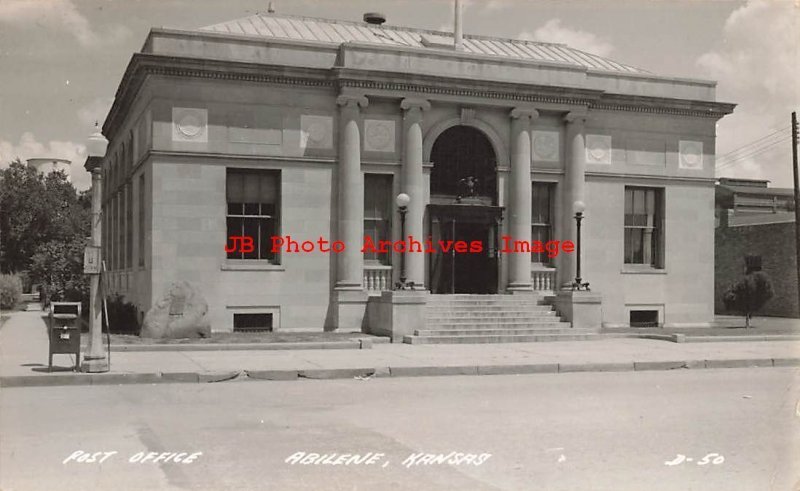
(231, 338)
(730, 326)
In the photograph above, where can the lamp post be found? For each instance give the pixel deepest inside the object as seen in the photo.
(402, 202)
(95, 358)
(578, 284)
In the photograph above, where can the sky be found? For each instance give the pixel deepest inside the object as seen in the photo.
(61, 61)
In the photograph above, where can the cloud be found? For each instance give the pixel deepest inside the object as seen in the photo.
(29, 147)
(756, 67)
(56, 14)
(97, 110)
(554, 32)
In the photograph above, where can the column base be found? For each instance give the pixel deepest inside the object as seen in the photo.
(583, 309)
(94, 364)
(398, 313)
(349, 309)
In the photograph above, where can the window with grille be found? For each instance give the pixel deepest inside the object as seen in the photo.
(253, 198)
(644, 234)
(542, 217)
(378, 214)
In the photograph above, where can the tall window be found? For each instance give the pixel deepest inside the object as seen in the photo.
(112, 264)
(644, 211)
(378, 214)
(129, 225)
(253, 198)
(141, 219)
(121, 228)
(542, 218)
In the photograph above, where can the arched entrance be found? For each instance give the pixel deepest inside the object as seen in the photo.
(464, 209)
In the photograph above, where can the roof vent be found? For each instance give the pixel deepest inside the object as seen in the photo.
(375, 18)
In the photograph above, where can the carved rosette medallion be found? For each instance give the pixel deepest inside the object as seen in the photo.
(189, 124)
(316, 131)
(691, 155)
(545, 146)
(379, 135)
(598, 149)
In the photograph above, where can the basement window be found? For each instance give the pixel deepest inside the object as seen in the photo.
(252, 322)
(644, 318)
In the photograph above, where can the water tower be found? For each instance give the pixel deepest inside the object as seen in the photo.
(48, 165)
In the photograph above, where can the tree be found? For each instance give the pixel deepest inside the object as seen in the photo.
(749, 294)
(35, 210)
(58, 266)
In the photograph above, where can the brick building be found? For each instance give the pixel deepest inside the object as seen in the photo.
(755, 219)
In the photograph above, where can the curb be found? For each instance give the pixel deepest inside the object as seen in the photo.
(71, 379)
(360, 343)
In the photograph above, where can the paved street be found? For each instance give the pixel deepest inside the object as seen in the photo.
(610, 431)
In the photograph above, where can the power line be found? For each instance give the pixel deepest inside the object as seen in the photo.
(754, 143)
(752, 153)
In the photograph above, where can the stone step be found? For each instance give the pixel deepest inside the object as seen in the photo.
(501, 331)
(512, 338)
(485, 325)
(488, 308)
(500, 314)
(432, 300)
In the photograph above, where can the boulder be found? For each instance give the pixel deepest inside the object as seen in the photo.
(180, 313)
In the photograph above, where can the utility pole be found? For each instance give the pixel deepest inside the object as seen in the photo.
(796, 203)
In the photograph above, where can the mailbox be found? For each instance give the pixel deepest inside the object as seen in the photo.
(64, 331)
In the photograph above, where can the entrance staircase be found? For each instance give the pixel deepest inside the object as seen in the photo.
(464, 318)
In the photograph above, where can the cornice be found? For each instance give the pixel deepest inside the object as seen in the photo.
(446, 89)
(142, 65)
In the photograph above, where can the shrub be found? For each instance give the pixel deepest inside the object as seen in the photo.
(10, 291)
(123, 317)
(748, 295)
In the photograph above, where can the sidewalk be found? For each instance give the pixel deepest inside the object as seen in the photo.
(23, 359)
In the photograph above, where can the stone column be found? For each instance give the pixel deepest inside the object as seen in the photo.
(520, 203)
(349, 295)
(575, 177)
(413, 185)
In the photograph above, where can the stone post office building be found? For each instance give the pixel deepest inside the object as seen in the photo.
(275, 125)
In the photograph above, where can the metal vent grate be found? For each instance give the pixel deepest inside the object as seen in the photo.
(644, 318)
(252, 322)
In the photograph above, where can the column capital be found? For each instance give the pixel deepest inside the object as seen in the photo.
(524, 112)
(410, 103)
(354, 101)
(578, 116)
